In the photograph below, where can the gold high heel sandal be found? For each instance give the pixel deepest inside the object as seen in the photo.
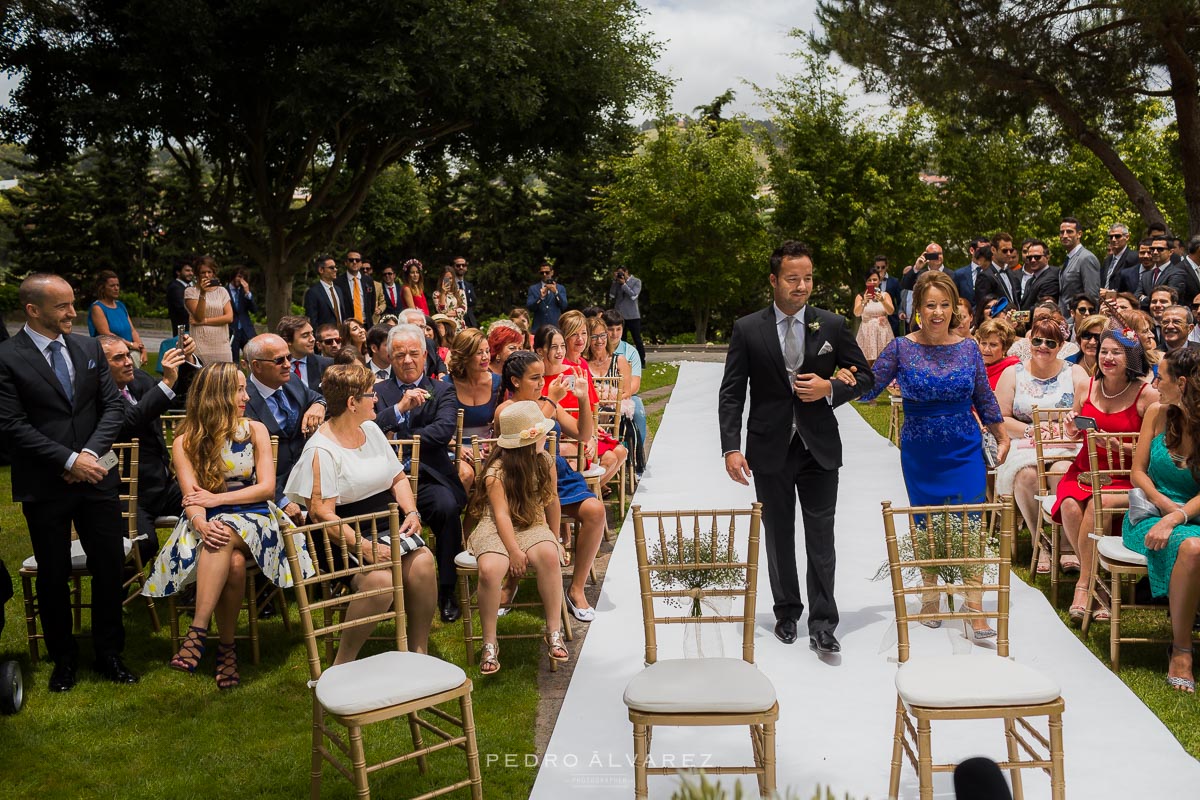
(556, 649)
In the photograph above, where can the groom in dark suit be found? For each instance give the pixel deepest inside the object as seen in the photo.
(789, 352)
(59, 416)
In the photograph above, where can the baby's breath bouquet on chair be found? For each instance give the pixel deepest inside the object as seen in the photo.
(946, 535)
(696, 583)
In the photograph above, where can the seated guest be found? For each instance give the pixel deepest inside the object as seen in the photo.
(523, 380)
(1161, 297)
(297, 331)
(1175, 323)
(227, 478)
(353, 334)
(1082, 307)
(615, 324)
(444, 331)
(349, 354)
(1142, 324)
(476, 392)
(1044, 310)
(504, 338)
(994, 337)
(410, 404)
(329, 340)
(145, 400)
(108, 315)
(1116, 398)
(378, 360)
(520, 316)
(518, 512)
(435, 366)
(1046, 381)
(348, 468)
(288, 408)
(1087, 335)
(603, 360)
(1164, 467)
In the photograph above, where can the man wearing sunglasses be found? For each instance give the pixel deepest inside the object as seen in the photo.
(1119, 270)
(1080, 273)
(1036, 280)
(1163, 272)
(358, 289)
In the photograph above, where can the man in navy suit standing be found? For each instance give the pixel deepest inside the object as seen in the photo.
(407, 404)
(468, 290)
(964, 277)
(324, 302)
(59, 416)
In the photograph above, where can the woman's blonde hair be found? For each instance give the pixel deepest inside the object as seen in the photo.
(465, 346)
(571, 322)
(945, 284)
(998, 328)
(210, 422)
(341, 382)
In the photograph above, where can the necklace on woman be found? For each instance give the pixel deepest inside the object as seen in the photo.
(1113, 396)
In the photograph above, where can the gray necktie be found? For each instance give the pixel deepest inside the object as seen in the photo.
(59, 365)
(793, 353)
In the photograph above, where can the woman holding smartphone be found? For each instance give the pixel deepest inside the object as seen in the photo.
(210, 313)
(873, 307)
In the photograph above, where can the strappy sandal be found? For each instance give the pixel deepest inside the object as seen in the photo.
(931, 607)
(1078, 610)
(227, 666)
(191, 651)
(491, 653)
(1043, 562)
(556, 649)
(1179, 684)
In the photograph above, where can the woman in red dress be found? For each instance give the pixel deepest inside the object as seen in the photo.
(412, 290)
(1116, 398)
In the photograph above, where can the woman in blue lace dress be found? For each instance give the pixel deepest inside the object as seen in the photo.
(941, 377)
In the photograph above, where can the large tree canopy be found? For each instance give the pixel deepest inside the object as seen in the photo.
(1089, 64)
(264, 101)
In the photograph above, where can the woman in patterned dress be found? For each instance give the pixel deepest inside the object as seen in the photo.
(210, 313)
(873, 306)
(227, 475)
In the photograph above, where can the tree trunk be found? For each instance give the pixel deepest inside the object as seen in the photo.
(278, 274)
(1185, 92)
(700, 316)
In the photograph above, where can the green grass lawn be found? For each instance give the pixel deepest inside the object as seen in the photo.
(1143, 667)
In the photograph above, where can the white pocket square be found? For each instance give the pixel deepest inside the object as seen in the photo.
(825, 348)
(91, 364)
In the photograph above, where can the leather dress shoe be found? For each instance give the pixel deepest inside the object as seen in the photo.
(824, 642)
(62, 679)
(785, 630)
(450, 610)
(111, 668)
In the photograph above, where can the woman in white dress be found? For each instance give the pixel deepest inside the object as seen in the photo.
(348, 468)
(1045, 381)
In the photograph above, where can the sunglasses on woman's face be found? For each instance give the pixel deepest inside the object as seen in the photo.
(1037, 341)
(1089, 337)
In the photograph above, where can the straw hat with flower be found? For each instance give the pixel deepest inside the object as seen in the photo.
(521, 424)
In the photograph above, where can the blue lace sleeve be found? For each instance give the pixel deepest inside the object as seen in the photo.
(885, 369)
(983, 398)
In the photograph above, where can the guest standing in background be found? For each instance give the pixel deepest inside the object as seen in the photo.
(623, 296)
(448, 300)
(109, 315)
(176, 308)
(242, 300)
(413, 290)
(467, 289)
(873, 307)
(211, 313)
(546, 300)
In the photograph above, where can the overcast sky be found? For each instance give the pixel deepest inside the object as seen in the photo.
(713, 45)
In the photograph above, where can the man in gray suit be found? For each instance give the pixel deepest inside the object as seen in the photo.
(1080, 273)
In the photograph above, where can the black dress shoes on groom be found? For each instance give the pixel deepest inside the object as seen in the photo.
(785, 630)
(824, 642)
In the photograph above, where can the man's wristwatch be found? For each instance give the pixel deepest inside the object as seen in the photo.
(412, 513)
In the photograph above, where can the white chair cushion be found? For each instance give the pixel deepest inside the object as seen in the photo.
(1113, 549)
(700, 685)
(466, 561)
(1047, 502)
(383, 680)
(167, 523)
(78, 557)
(970, 681)
(593, 472)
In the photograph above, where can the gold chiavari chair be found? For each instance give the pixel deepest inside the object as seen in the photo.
(388, 685)
(169, 423)
(608, 419)
(704, 691)
(955, 541)
(127, 467)
(1053, 447)
(895, 418)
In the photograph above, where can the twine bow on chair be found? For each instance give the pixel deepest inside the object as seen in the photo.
(693, 633)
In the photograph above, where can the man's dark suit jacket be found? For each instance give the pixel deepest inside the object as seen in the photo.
(992, 283)
(1043, 285)
(317, 307)
(41, 428)
(435, 421)
(756, 356)
(966, 287)
(3, 330)
(315, 365)
(388, 306)
(1183, 280)
(368, 296)
(142, 423)
(242, 327)
(1111, 274)
(291, 442)
(892, 287)
(176, 309)
(469, 293)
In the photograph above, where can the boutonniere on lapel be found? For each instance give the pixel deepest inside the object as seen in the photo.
(815, 326)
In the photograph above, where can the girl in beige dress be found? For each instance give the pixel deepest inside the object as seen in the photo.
(516, 504)
(210, 313)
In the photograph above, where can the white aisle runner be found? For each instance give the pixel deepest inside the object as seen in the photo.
(835, 720)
